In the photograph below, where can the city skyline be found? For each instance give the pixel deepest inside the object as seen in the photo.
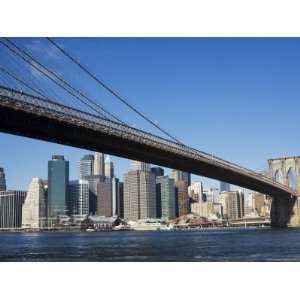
(175, 195)
(244, 144)
(98, 186)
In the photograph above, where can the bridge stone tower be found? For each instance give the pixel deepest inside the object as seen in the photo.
(286, 211)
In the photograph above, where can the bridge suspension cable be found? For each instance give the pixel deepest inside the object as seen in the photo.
(10, 74)
(110, 90)
(58, 80)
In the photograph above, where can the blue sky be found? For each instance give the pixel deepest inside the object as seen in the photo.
(235, 98)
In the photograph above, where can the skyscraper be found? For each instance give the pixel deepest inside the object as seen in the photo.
(139, 166)
(147, 195)
(78, 198)
(109, 167)
(182, 198)
(104, 203)
(93, 192)
(86, 166)
(2, 180)
(34, 207)
(165, 197)
(120, 207)
(99, 164)
(158, 171)
(58, 179)
(11, 208)
(115, 195)
(233, 205)
(178, 175)
(139, 195)
(224, 187)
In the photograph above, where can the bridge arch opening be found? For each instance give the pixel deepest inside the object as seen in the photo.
(278, 176)
(292, 179)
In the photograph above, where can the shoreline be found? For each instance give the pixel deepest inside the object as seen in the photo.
(132, 230)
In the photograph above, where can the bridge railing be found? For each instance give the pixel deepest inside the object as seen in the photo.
(116, 128)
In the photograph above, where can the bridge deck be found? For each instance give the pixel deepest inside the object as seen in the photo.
(34, 117)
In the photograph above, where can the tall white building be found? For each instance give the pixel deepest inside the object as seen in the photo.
(249, 204)
(86, 166)
(109, 167)
(99, 164)
(139, 195)
(34, 207)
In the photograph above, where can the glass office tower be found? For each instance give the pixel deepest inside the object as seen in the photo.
(165, 198)
(58, 179)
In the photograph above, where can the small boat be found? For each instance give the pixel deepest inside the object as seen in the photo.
(90, 229)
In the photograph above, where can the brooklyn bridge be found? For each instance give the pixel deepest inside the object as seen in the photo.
(37, 116)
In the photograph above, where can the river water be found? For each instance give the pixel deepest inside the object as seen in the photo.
(207, 245)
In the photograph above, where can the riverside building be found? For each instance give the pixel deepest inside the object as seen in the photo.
(34, 207)
(11, 209)
(139, 193)
(203, 209)
(233, 205)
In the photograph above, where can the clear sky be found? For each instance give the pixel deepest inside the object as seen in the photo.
(235, 98)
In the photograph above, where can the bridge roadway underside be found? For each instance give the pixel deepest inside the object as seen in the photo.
(41, 127)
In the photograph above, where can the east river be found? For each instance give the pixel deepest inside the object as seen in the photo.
(207, 245)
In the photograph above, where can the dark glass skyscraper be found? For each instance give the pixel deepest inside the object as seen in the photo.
(104, 203)
(165, 197)
(58, 179)
(2, 180)
(157, 171)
